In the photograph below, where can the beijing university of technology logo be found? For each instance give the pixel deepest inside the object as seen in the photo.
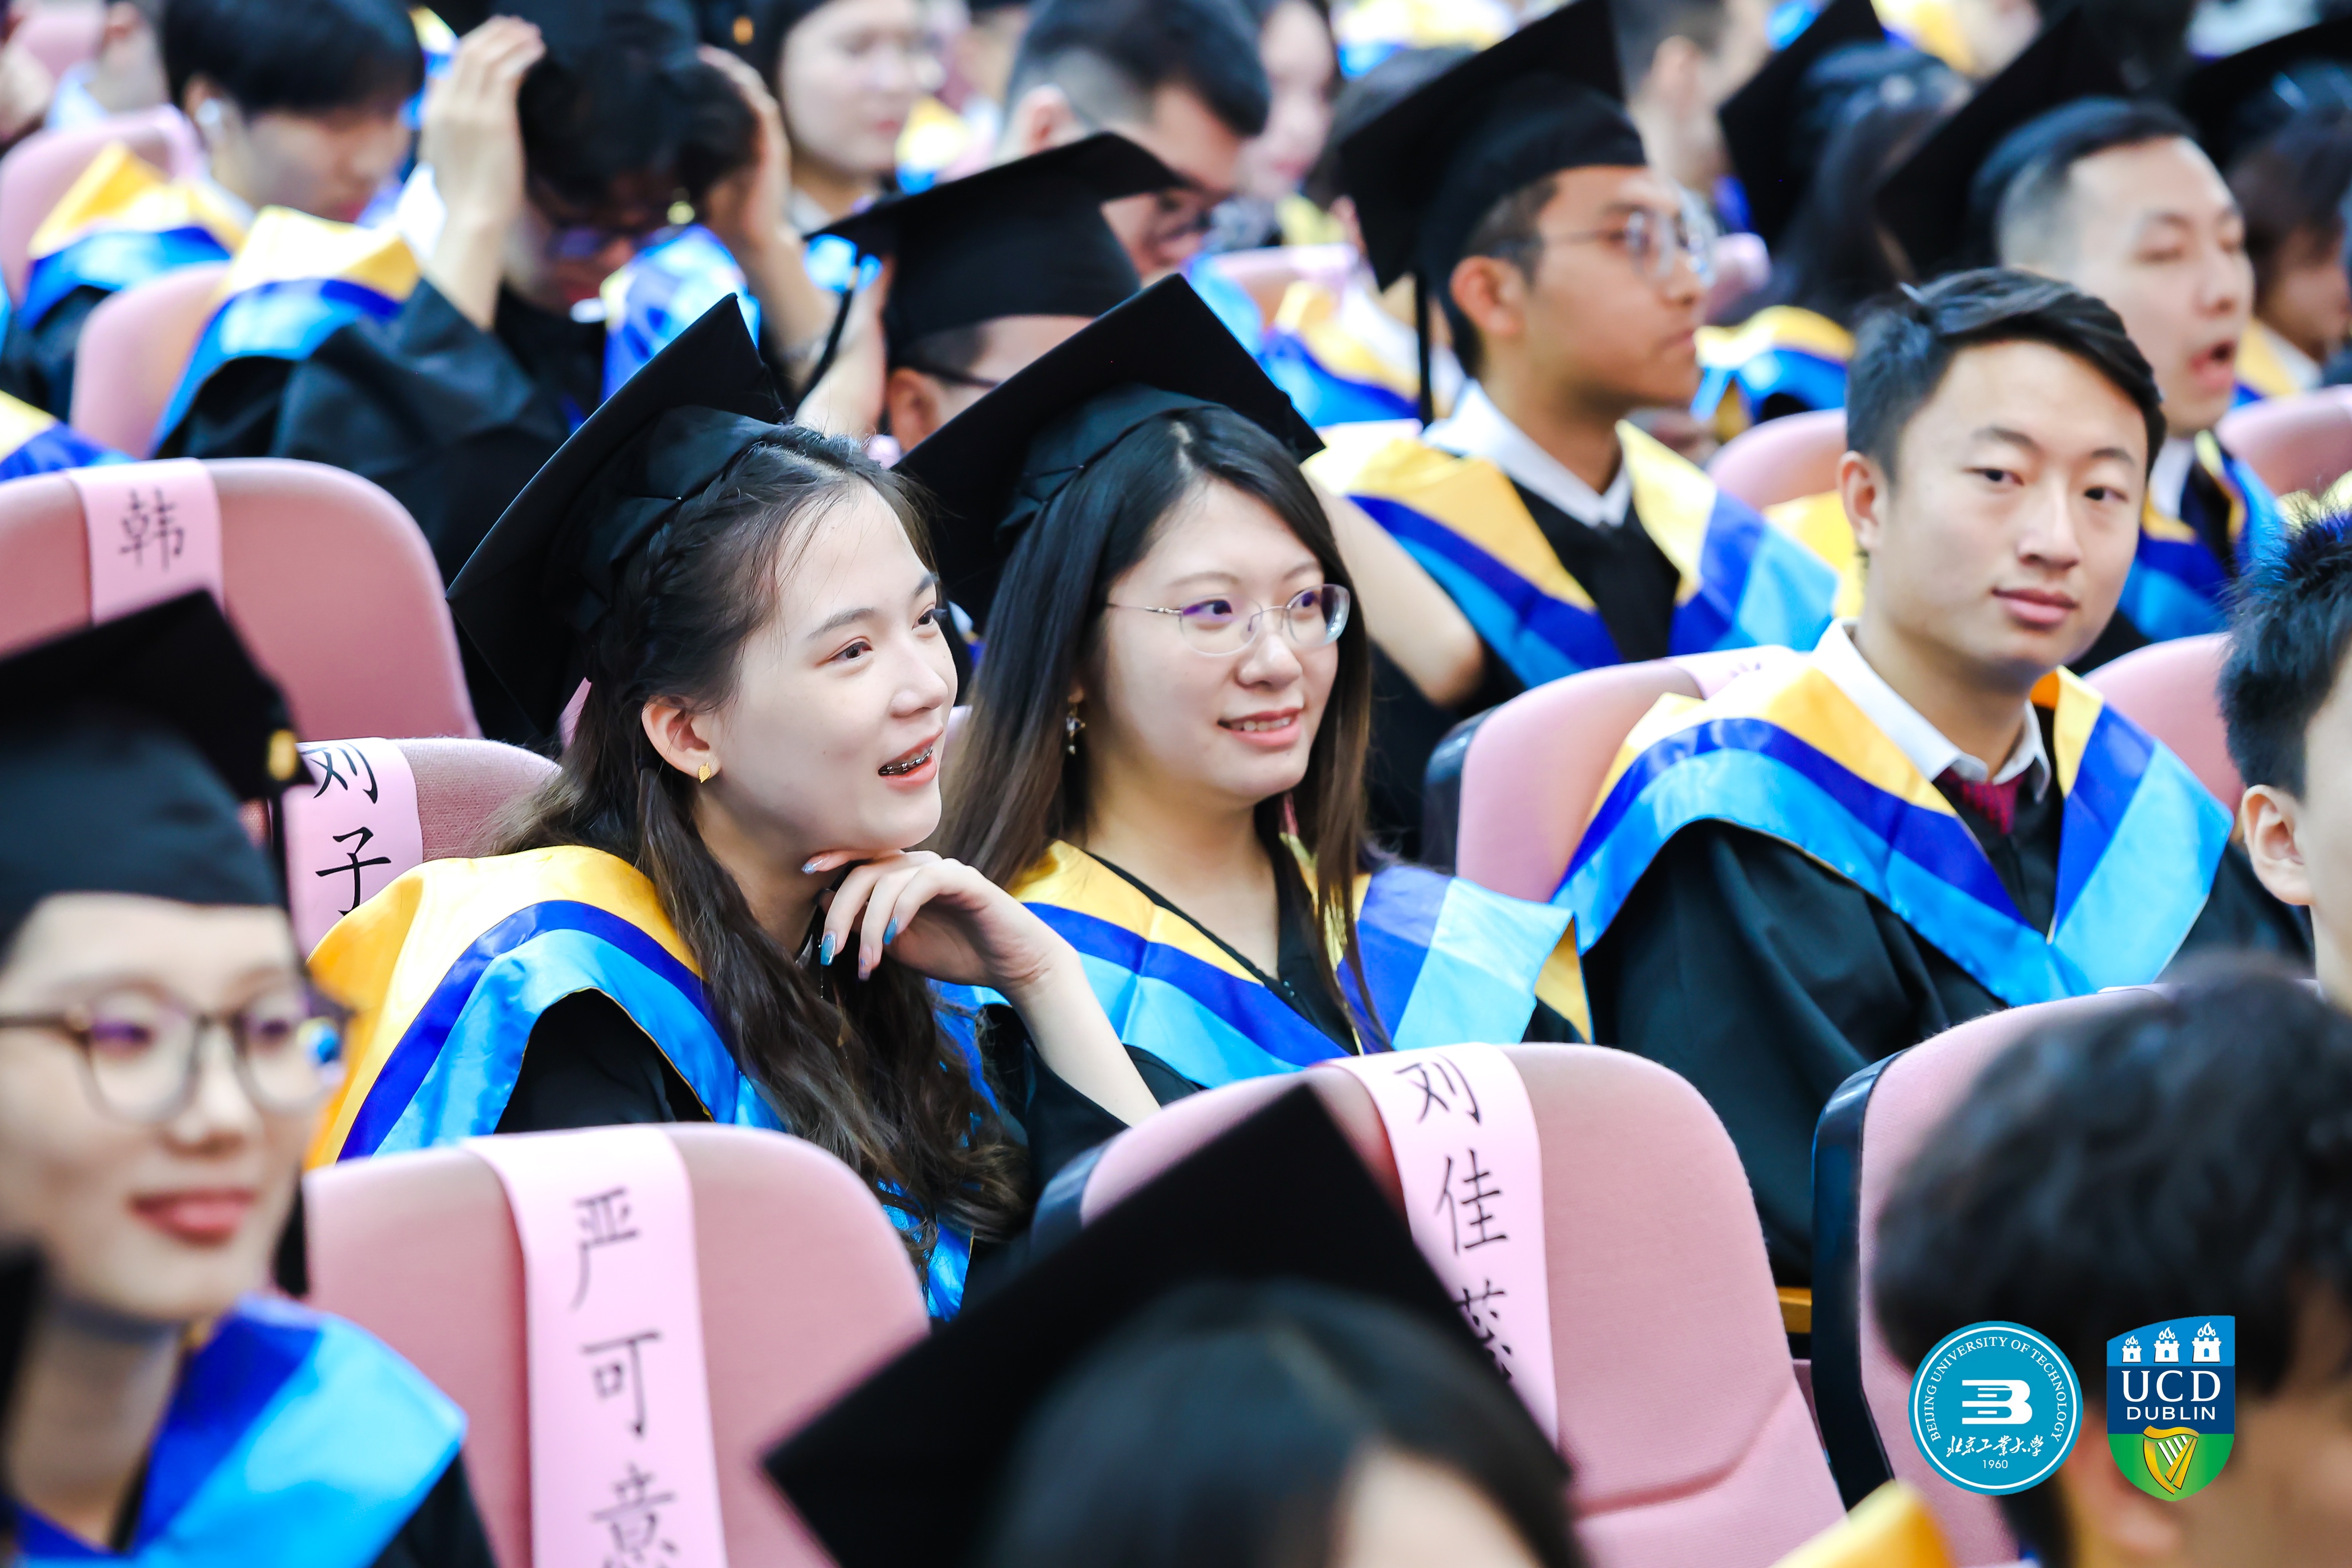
(2172, 1402)
(1995, 1407)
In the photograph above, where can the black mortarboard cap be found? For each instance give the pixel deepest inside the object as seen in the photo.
(1281, 1196)
(125, 749)
(542, 578)
(2236, 101)
(998, 465)
(1424, 172)
(1925, 201)
(576, 30)
(1024, 238)
(1760, 121)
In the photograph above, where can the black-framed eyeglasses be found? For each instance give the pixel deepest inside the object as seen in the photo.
(140, 1049)
(1221, 624)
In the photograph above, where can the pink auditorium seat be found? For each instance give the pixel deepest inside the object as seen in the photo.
(462, 788)
(2302, 443)
(326, 576)
(1874, 1124)
(1678, 1406)
(1532, 769)
(806, 1289)
(2170, 690)
(60, 36)
(1782, 460)
(38, 172)
(133, 348)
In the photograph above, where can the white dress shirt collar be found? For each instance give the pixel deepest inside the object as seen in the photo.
(2167, 478)
(1929, 749)
(1476, 428)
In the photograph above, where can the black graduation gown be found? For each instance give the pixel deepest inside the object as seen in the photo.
(1767, 980)
(1632, 587)
(36, 363)
(445, 1531)
(452, 420)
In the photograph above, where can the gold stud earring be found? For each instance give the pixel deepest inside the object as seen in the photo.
(703, 774)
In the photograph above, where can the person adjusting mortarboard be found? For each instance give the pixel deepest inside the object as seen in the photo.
(163, 1057)
(1573, 276)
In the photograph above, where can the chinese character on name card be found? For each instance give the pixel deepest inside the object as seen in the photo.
(604, 1221)
(1466, 1211)
(618, 1370)
(1443, 1087)
(635, 1519)
(149, 526)
(356, 865)
(353, 759)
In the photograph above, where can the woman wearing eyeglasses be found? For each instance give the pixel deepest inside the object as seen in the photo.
(1166, 754)
(162, 1060)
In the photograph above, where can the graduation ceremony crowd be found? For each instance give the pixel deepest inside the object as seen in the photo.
(1291, 783)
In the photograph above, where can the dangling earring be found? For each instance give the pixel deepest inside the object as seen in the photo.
(1071, 726)
(702, 775)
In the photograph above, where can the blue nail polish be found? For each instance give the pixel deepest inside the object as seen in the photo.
(891, 934)
(808, 868)
(825, 952)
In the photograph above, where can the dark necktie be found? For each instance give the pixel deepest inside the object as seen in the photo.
(1996, 803)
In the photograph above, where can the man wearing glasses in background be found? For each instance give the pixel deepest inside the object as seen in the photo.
(1573, 278)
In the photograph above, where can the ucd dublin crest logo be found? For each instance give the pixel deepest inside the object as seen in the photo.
(1995, 1407)
(2172, 1402)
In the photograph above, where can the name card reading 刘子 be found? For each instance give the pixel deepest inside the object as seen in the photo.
(349, 838)
(623, 1468)
(154, 532)
(1463, 1130)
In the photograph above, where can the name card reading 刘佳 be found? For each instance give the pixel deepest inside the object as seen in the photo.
(1463, 1130)
(623, 1468)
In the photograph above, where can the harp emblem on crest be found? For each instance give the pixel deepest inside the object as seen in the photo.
(2169, 1451)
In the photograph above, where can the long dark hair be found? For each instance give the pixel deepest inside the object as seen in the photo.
(1224, 1426)
(864, 1073)
(1012, 788)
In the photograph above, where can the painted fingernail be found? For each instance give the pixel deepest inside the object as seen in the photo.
(825, 952)
(891, 934)
(810, 867)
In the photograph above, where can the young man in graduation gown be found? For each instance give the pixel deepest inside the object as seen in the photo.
(1926, 818)
(992, 269)
(162, 1059)
(2116, 198)
(1516, 192)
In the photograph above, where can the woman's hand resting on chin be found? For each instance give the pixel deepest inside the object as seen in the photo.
(943, 919)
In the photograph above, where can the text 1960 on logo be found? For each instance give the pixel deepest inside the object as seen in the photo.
(1995, 1407)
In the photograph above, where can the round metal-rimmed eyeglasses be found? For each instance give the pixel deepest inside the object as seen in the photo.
(140, 1049)
(1311, 618)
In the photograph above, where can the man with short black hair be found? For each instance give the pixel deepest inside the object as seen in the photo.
(2290, 723)
(1838, 856)
(1680, 59)
(1179, 78)
(2171, 1156)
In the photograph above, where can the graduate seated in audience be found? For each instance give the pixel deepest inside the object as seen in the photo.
(2116, 198)
(1346, 353)
(126, 74)
(1179, 78)
(990, 271)
(1302, 71)
(2291, 189)
(1165, 755)
(1680, 61)
(162, 1060)
(2283, 694)
(1262, 1426)
(1927, 818)
(1572, 276)
(302, 109)
(847, 74)
(1810, 137)
(2176, 1155)
(713, 912)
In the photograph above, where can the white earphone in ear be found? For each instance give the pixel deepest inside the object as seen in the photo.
(208, 114)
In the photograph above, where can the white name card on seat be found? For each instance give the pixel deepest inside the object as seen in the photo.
(154, 533)
(1463, 1130)
(349, 838)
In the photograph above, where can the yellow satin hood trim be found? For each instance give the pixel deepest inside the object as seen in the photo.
(2260, 367)
(20, 422)
(386, 958)
(289, 247)
(1819, 523)
(1310, 312)
(120, 187)
(1673, 499)
(1891, 1528)
(1070, 878)
(1802, 700)
(1931, 26)
(1774, 327)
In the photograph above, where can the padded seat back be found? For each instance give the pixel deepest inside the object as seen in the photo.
(2172, 689)
(39, 170)
(328, 579)
(2302, 443)
(1782, 460)
(133, 349)
(1678, 1406)
(805, 1290)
